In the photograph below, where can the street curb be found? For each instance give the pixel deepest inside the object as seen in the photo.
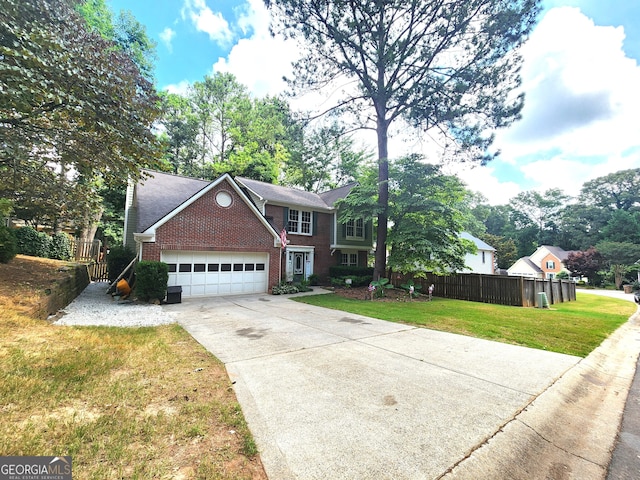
(569, 431)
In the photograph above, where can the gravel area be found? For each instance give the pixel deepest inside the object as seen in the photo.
(94, 307)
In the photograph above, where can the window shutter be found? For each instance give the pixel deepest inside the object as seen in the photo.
(314, 225)
(344, 230)
(285, 218)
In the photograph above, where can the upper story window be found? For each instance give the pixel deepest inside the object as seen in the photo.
(299, 222)
(551, 264)
(355, 229)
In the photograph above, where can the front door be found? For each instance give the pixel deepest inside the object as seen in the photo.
(298, 266)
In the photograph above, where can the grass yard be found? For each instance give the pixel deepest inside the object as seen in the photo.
(575, 328)
(124, 403)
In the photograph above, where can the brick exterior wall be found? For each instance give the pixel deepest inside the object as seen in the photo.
(321, 239)
(206, 226)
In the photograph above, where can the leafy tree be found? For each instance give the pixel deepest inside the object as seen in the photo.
(542, 210)
(445, 67)
(427, 211)
(323, 159)
(623, 227)
(506, 250)
(125, 32)
(75, 110)
(616, 191)
(585, 263)
(619, 257)
(218, 128)
(580, 226)
(180, 133)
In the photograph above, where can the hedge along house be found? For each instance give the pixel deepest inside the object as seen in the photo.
(223, 237)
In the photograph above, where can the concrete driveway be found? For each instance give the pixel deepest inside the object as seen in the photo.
(329, 394)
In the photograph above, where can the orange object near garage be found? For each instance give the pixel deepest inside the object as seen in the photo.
(123, 288)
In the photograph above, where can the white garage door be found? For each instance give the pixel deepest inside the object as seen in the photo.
(217, 273)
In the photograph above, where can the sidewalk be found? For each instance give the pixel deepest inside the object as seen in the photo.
(570, 431)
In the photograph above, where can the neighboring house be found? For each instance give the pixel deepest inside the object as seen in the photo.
(546, 262)
(483, 260)
(223, 236)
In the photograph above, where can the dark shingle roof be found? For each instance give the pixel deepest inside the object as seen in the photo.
(161, 193)
(535, 267)
(292, 196)
(558, 252)
(330, 197)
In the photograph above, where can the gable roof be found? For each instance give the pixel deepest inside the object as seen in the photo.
(150, 230)
(480, 245)
(527, 261)
(557, 252)
(330, 197)
(292, 196)
(161, 193)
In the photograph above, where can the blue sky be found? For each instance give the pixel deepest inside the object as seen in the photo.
(580, 76)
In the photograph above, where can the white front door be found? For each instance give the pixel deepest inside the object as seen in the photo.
(299, 263)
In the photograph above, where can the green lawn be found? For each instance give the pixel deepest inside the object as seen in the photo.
(575, 328)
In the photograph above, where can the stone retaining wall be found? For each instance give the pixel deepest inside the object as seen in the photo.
(70, 284)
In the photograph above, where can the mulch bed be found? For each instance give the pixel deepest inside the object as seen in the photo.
(390, 295)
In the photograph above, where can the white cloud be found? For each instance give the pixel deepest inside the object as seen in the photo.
(179, 88)
(484, 181)
(580, 115)
(167, 36)
(582, 94)
(207, 21)
(261, 60)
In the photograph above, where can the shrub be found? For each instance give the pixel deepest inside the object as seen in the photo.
(303, 286)
(356, 281)
(31, 242)
(151, 280)
(60, 247)
(314, 279)
(349, 271)
(284, 288)
(117, 260)
(8, 247)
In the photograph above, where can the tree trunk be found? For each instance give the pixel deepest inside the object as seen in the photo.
(380, 265)
(91, 225)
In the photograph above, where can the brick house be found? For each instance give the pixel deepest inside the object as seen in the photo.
(222, 237)
(546, 262)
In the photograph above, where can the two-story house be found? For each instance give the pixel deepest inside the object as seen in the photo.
(224, 236)
(483, 260)
(546, 262)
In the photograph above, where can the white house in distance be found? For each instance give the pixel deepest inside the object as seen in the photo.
(546, 262)
(483, 260)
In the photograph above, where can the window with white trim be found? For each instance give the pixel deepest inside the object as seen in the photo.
(350, 259)
(299, 222)
(355, 229)
(551, 264)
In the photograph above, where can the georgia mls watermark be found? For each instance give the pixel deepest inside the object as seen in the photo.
(35, 468)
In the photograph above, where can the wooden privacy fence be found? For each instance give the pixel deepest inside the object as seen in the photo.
(98, 272)
(497, 289)
(84, 251)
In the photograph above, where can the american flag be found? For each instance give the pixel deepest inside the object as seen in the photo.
(283, 238)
